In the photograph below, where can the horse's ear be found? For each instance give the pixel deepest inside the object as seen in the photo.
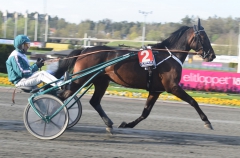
(199, 24)
(195, 28)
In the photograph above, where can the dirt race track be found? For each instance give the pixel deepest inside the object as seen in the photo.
(171, 130)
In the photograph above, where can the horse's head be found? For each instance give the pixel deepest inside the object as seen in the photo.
(201, 43)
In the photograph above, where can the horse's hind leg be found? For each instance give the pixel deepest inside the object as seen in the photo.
(152, 97)
(100, 88)
(180, 93)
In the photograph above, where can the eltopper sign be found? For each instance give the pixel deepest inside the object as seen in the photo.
(212, 79)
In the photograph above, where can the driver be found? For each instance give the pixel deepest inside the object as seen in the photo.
(20, 73)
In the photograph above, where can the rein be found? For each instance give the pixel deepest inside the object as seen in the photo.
(179, 51)
(55, 60)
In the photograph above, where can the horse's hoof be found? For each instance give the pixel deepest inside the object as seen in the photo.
(208, 126)
(109, 130)
(122, 125)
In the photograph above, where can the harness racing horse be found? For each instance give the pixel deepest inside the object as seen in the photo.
(165, 77)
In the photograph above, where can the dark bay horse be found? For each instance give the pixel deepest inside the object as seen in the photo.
(165, 77)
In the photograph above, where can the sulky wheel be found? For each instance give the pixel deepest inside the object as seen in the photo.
(75, 112)
(46, 105)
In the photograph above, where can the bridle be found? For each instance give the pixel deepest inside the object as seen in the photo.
(199, 40)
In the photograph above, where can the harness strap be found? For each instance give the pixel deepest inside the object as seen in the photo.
(170, 55)
(163, 60)
(150, 76)
(149, 79)
(174, 57)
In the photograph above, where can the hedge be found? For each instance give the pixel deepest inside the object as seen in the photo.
(42, 49)
(233, 65)
(5, 51)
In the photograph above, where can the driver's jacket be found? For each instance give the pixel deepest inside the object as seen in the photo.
(18, 67)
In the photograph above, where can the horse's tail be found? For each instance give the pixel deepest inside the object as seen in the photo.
(68, 63)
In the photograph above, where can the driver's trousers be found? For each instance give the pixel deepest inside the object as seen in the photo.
(37, 78)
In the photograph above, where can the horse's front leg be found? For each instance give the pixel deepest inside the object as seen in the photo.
(180, 93)
(100, 88)
(152, 97)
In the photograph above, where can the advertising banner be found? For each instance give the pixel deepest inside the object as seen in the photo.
(211, 64)
(6, 41)
(10, 41)
(214, 81)
(36, 44)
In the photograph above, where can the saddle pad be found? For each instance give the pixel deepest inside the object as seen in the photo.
(146, 58)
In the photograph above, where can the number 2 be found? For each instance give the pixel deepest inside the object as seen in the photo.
(146, 55)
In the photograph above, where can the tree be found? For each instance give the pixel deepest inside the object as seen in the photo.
(117, 35)
(132, 36)
(154, 35)
(222, 31)
(10, 28)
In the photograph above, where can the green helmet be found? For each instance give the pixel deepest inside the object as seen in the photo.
(19, 41)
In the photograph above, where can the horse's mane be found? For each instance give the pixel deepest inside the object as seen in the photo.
(172, 39)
